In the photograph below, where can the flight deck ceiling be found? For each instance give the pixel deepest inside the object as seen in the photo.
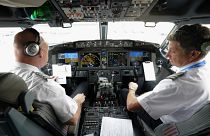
(57, 12)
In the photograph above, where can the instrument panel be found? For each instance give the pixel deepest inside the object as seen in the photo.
(113, 59)
(90, 59)
(103, 58)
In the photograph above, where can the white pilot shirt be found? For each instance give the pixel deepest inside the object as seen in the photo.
(47, 91)
(177, 100)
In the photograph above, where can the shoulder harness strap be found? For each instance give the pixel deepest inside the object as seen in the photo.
(42, 75)
(175, 76)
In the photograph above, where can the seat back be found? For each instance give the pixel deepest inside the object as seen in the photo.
(13, 94)
(44, 115)
(146, 129)
(6, 127)
(22, 125)
(11, 86)
(26, 100)
(198, 124)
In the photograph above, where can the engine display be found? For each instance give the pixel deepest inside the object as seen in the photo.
(116, 59)
(90, 60)
(137, 57)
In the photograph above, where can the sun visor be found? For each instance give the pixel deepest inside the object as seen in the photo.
(22, 3)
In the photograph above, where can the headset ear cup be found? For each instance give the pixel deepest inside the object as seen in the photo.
(205, 46)
(32, 49)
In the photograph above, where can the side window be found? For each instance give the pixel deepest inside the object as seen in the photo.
(164, 50)
(208, 59)
(208, 55)
(6, 47)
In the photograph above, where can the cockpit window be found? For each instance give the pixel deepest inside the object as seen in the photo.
(138, 31)
(116, 31)
(84, 31)
(78, 31)
(6, 46)
(164, 50)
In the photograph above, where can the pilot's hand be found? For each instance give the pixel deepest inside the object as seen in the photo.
(133, 86)
(79, 98)
(54, 78)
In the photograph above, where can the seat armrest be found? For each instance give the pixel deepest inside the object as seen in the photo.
(147, 130)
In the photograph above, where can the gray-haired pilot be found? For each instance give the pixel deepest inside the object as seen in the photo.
(180, 95)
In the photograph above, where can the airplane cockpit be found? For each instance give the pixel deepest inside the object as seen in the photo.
(111, 65)
(106, 63)
(107, 69)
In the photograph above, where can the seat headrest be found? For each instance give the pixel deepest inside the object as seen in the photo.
(11, 86)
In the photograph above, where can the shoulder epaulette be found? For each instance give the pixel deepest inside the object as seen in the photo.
(175, 76)
(42, 75)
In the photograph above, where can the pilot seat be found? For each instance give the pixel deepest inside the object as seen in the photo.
(15, 104)
(197, 125)
(16, 115)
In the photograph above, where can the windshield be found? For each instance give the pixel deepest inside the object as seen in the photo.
(84, 31)
(116, 31)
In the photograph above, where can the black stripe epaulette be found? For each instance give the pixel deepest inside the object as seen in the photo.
(42, 75)
(175, 76)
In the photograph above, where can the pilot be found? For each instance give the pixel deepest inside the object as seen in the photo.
(31, 53)
(180, 95)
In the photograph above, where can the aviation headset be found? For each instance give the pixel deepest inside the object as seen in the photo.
(205, 46)
(32, 47)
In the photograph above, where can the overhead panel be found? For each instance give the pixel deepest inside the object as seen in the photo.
(104, 10)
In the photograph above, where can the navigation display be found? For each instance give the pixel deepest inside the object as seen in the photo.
(137, 57)
(116, 59)
(90, 60)
(68, 58)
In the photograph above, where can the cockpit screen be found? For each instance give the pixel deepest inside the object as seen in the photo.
(90, 60)
(68, 58)
(137, 57)
(116, 59)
